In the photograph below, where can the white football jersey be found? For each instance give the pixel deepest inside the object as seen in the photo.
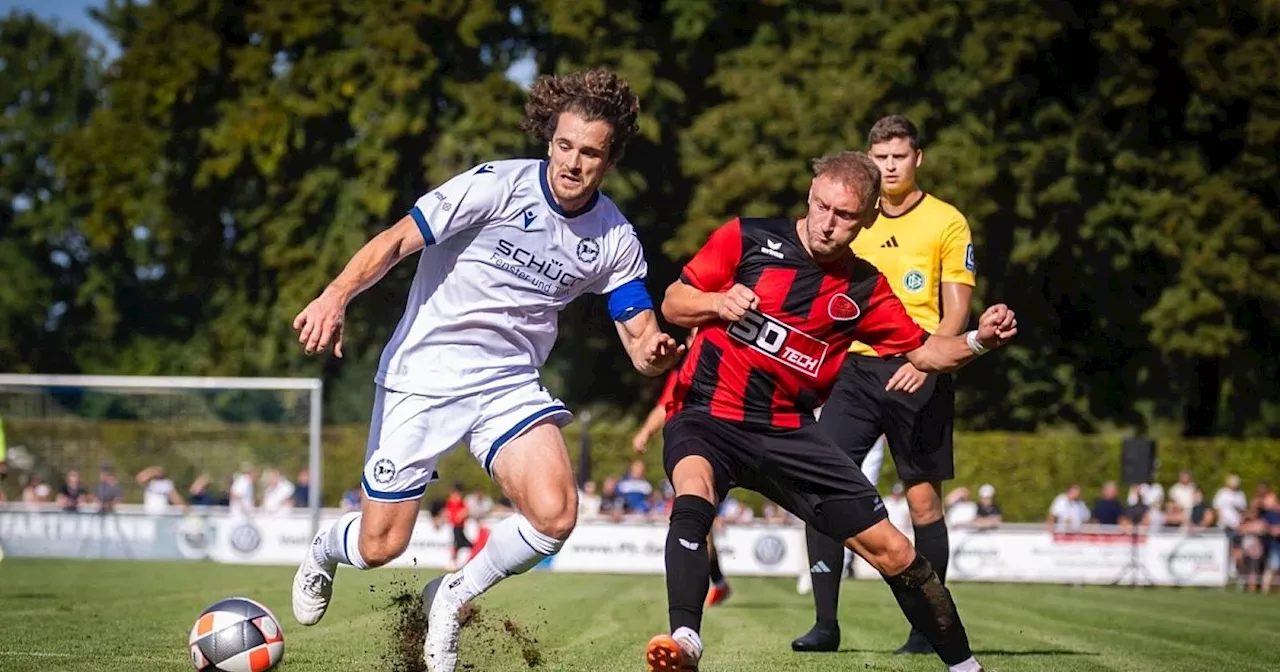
(502, 260)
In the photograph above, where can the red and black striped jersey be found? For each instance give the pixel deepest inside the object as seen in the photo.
(775, 366)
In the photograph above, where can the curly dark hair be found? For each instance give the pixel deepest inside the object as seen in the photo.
(597, 95)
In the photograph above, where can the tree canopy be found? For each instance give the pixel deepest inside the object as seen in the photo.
(171, 210)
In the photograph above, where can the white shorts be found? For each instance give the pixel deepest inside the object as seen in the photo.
(409, 433)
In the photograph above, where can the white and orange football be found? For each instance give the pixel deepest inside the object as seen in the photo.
(236, 635)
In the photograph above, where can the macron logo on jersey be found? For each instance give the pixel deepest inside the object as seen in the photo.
(486, 168)
(529, 219)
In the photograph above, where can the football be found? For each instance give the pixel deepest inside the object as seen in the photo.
(236, 635)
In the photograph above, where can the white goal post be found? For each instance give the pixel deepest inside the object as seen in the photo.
(163, 384)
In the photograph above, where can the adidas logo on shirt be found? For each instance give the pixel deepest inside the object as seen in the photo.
(892, 242)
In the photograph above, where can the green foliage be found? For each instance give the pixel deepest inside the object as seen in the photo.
(48, 86)
(171, 212)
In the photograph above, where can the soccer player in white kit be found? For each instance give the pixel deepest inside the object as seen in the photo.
(505, 247)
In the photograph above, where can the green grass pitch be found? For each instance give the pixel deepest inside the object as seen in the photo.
(95, 616)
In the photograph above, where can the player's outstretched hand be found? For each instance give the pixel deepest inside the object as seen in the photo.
(661, 352)
(997, 326)
(736, 302)
(906, 379)
(319, 325)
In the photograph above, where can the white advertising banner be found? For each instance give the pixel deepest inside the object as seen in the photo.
(284, 541)
(1009, 553)
(594, 547)
(639, 548)
(1171, 559)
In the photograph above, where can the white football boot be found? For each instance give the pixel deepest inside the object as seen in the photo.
(440, 650)
(312, 585)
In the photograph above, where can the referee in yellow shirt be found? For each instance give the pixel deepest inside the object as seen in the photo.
(923, 246)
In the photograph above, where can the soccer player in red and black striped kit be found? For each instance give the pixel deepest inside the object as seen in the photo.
(778, 303)
(720, 590)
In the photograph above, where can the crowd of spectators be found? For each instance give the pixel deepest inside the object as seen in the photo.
(248, 491)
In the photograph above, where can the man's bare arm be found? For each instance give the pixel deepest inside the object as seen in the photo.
(691, 307)
(378, 256)
(948, 353)
(955, 309)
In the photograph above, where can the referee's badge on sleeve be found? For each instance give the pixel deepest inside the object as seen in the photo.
(968, 257)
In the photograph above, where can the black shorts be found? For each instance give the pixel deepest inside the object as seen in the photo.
(460, 539)
(800, 470)
(918, 426)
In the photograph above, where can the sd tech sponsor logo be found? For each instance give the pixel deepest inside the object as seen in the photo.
(246, 538)
(770, 550)
(195, 535)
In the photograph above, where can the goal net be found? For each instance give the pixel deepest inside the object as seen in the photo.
(199, 430)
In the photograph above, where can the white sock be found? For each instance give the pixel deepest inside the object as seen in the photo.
(970, 665)
(342, 544)
(688, 633)
(514, 547)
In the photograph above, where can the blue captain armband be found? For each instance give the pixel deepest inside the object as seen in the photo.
(629, 300)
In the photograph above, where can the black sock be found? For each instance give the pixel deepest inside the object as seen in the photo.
(717, 576)
(927, 604)
(826, 566)
(934, 544)
(687, 561)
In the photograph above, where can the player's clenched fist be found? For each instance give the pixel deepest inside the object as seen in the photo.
(997, 326)
(320, 324)
(736, 302)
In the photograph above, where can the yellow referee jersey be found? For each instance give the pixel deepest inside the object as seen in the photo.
(917, 251)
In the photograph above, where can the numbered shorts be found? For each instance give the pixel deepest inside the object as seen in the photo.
(409, 433)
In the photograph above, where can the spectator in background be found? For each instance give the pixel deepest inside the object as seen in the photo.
(1256, 505)
(635, 490)
(1270, 516)
(36, 491)
(4, 468)
(1230, 503)
(989, 513)
(351, 500)
(961, 509)
(611, 504)
(241, 491)
(277, 492)
(479, 503)
(302, 490)
(158, 492)
(1067, 513)
(588, 501)
(1107, 509)
(735, 512)
(899, 512)
(1183, 492)
(1202, 515)
(72, 494)
(199, 492)
(455, 511)
(109, 490)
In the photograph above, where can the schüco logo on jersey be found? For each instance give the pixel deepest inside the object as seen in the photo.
(786, 344)
(549, 275)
